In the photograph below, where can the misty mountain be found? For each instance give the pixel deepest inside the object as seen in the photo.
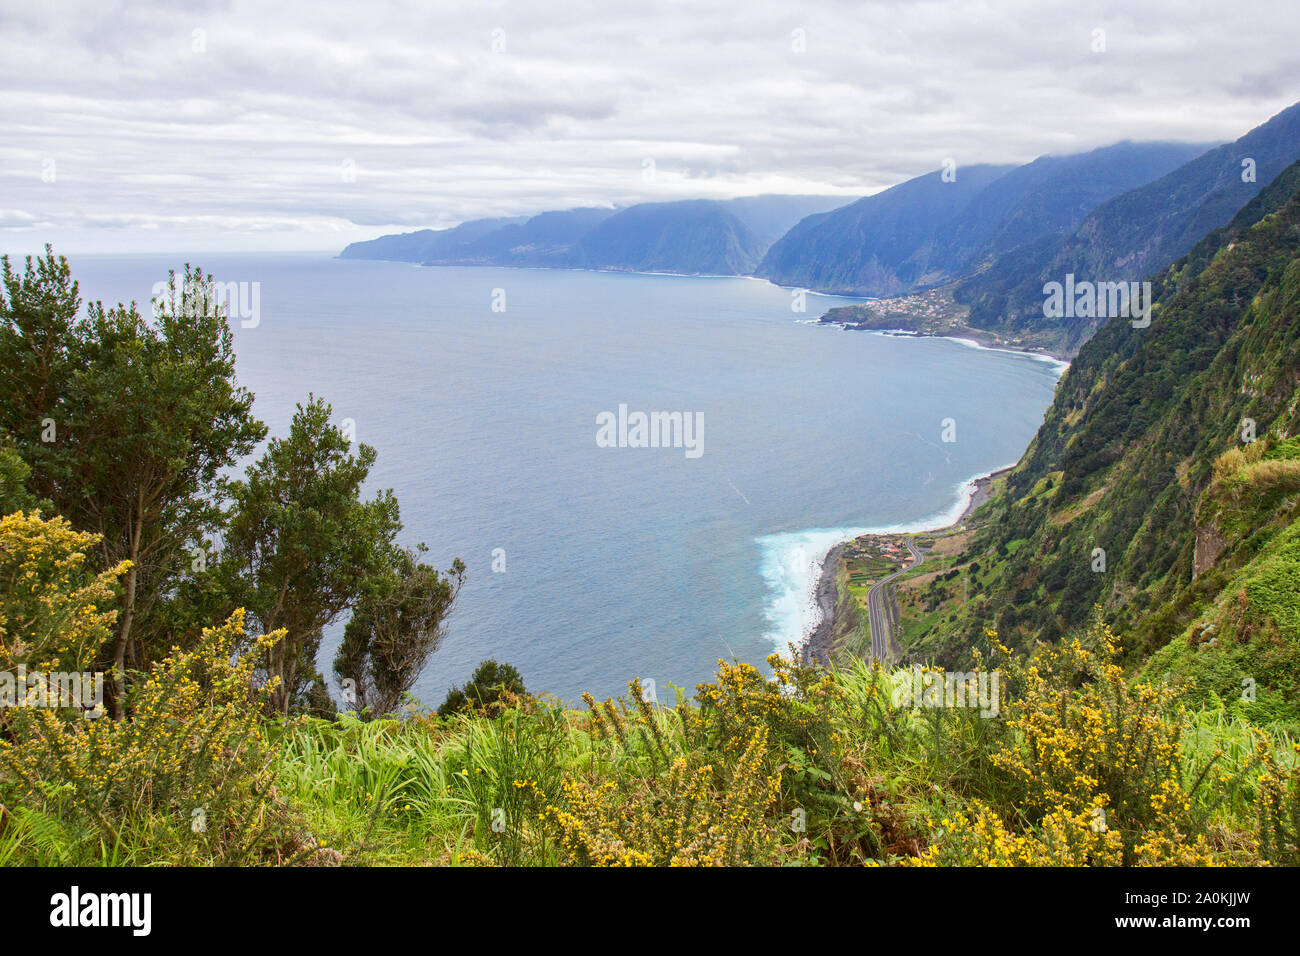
(1135, 233)
(689, 236)
(427, 244)
(771, 217)
(880, 245)
(544, 240)
(927, 230)
(693, 237)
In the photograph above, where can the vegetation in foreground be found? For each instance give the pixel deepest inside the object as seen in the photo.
(1075, 762)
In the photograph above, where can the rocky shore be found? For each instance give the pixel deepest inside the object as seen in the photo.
(935, 314)
(817, 648)
(983, 490)
(838, 614)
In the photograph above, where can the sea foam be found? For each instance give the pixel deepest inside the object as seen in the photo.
(791, 564)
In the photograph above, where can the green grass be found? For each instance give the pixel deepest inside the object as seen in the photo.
(872, 777)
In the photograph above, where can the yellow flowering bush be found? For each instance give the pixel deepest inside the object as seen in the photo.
(976, 836)
(189, 771)
(680, 817)
(1087, 745)
(1279, 807)
(54, 613)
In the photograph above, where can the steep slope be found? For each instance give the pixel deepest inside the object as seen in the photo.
(928, 231)
(1245, 647)
(880, 245)
(771, 217)
(693, 236)
(1136, 493)
(1052, 195)
(1131, 235)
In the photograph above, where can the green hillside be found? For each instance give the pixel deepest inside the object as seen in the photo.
(1139, 493)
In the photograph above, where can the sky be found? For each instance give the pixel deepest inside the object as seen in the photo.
(211, 126)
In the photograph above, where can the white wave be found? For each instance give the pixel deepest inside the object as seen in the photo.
(1059, 365)
(791, 564)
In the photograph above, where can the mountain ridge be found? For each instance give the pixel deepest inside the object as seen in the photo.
(699, 236)
(935, 228)
(1132, 234)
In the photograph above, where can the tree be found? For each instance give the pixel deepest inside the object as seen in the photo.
(137, 420)
(395, 628)
(38, 338)
(301, 546)
(492, 686)
(154, 417)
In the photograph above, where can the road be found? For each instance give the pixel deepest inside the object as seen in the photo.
(878, 616)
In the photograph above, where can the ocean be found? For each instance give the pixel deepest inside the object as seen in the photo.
(504, 407)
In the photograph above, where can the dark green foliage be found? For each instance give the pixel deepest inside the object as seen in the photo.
(301, 546)
(14, 473)
(38, 344)
(490, 683)
(127, 424)
(396, 627)
(317, 701)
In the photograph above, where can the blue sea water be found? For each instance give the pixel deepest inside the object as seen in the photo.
(618, 561)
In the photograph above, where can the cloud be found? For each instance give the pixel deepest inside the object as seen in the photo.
(202, 123)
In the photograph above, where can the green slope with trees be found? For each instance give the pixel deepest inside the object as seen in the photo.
(1166, 463)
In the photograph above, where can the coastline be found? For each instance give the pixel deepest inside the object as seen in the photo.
(975, 338)
(933, 313)
(983, 491)
(818, 645)
(967, 335)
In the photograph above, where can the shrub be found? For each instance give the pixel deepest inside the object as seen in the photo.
(1090, 746)
(186, 778)
(679, 817)
(54, 613)
(492, 689)
(1279, 808)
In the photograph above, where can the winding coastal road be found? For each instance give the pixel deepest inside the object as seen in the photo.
(878, 616)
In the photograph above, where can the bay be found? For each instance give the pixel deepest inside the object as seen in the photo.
(618, 561)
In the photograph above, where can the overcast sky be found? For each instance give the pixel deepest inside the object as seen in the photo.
(257, 125)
